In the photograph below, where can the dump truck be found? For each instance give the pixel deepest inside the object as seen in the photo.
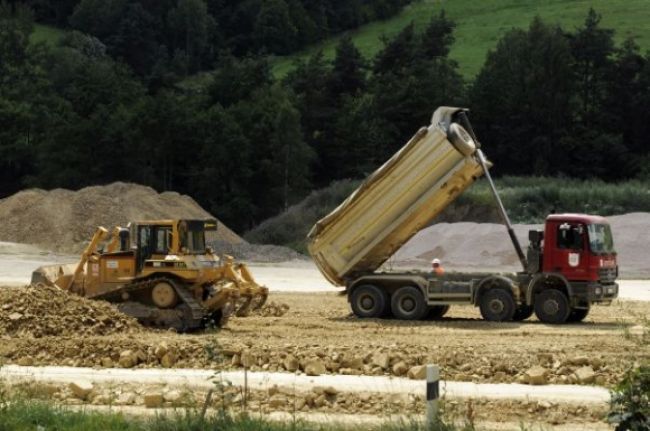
(568, 267)
(160, 272)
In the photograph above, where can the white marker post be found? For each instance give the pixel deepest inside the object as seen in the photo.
(433, 393)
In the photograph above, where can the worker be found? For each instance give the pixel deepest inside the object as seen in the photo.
(437, 268)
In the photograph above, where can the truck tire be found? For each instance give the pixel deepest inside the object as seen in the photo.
(497, 305)
(369, 301)
(577, 315)
(523, 312)
(437, 311)
(408, 303)
(552, 306)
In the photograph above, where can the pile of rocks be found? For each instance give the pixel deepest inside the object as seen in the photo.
(34, 312)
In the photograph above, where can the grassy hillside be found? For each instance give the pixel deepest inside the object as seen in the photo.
(47, 34)
(481, 23)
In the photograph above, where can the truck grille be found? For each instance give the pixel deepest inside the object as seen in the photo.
(607, 275)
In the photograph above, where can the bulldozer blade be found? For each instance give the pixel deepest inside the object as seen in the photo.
(53, 275)
(244, 306)
(260, 299)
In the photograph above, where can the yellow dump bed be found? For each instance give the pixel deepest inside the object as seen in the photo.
(394, 203)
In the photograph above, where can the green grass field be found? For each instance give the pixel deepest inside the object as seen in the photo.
(45, 33)
(481, 23)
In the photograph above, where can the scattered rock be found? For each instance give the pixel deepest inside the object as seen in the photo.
(315, 368)
(419, 372)
(128, 359)
(354, 363)
(585, 375)
(160, 350)
(381, 360)
(400, 368)
(81, 388)
(107, 362)
(125, 399)
(153, 399)
(291, 363)
(169, 359)
(26, 361)
(172, 396)
(536, 375)
(248, 359)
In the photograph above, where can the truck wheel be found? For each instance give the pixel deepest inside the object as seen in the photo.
(408, 303)
(497, 305)
(577, 314)
(437, 311)
(369, 301)
(523, 312)
(552, 306)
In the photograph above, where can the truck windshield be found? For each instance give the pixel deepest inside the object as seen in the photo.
(600, 239)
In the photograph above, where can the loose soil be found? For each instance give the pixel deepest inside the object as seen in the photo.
(319, 400)
(64, 220)
(318, 331)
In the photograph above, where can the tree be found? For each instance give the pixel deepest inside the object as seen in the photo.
(398, 53)
(236, 79)
(348, 74)
(592, 48)
(135, 39)
(521, 101)
(438, 37)
(275, 31)
(192, 27)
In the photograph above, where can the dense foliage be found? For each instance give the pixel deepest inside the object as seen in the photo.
(101, 105)
(156, 37)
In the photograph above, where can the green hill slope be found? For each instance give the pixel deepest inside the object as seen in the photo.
(481, 23)
(46, 33)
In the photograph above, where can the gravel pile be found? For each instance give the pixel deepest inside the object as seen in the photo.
(34, 312)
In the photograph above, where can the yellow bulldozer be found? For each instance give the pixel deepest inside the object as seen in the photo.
(162, 273)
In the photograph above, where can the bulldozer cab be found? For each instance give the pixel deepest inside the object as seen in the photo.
(169, 237)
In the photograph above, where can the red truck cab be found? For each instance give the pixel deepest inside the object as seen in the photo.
(578, 250)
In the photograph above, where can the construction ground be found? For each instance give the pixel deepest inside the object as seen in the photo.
(305, 355)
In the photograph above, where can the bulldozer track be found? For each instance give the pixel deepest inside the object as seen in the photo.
(192, 314)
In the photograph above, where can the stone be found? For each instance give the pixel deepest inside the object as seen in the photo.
(315, 368)
(400, 368)
(273, 390)
(81, 389)
(277, 401)
(365, 396)
(235, 361)
(354, 363)
(125, 399)
(15, 316)
(290, 363)
(153, 399)
(248, 359)
(579, 360)
(169, 359)
(327, 390)
(107, 362)
(172, 396)
(26, 361)
(536, 375)
(585, 375)
(128, 359)
(320, 401)
(419, 372)
(161, 350)
(381, 360)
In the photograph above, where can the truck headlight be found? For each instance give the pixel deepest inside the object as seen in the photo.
(610, 290)
(598, 290)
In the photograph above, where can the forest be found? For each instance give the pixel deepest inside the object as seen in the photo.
(105, 102)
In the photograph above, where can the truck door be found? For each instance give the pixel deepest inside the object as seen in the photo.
(569, 256)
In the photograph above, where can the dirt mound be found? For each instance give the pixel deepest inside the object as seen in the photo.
(64, 220)
(34, 312)
(484, 246)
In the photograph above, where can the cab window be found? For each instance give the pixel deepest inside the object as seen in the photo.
(570, 236)
(163, 235)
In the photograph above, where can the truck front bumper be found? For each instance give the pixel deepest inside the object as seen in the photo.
(594, 292)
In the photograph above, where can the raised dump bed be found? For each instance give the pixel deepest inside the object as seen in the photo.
(396, 201)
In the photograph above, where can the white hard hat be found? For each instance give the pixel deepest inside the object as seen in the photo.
(434, 261)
